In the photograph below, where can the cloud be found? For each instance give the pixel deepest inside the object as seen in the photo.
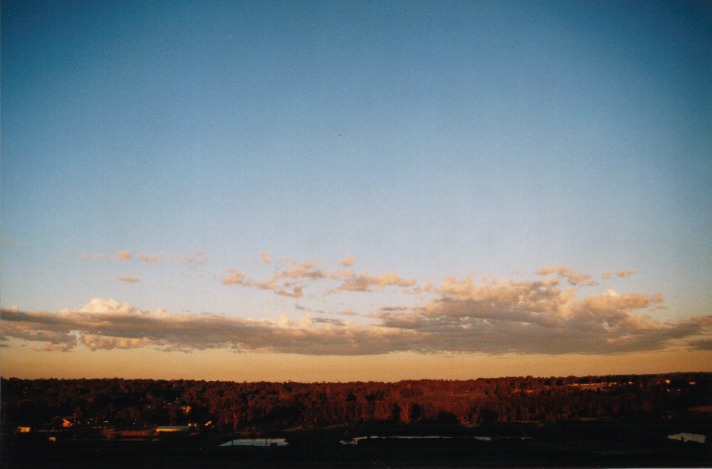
(108, 324)
(624, 273)
(292, 281)
(52, 338)
(289, 289)
(491, 316)
(125, 256)
(234, 277)
(487, 311)
(129, 278)
(702, 344)
(606, 275)
(348, 261)
(574, 278)
(289, 282)
(546, 314)
(90, 256)
(122, 256)
(150, 258)
(100, 342)
(266, 258)
(195, 259)
(305, 270)
(366, 282)
(539, 317)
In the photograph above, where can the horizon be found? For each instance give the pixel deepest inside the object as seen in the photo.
(672, 373)
(352, 191)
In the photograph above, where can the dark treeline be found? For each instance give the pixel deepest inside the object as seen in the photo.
(264, 406)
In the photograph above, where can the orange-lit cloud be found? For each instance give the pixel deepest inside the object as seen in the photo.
(129, 278)
(305, 270)
(234, 277)
(150, 258)
(348, 261)
(90, 256)
(122, 256)
(493, 317)
(574, 278)
(366, 282)
(548, 315)
(195, 259)
(289, 282)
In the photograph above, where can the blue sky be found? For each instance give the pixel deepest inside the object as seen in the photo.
(149, 149)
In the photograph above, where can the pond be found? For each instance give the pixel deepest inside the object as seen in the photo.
(685, 437)
(257, 442)
(355, 440)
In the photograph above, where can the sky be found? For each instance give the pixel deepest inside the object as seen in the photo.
(341, 191)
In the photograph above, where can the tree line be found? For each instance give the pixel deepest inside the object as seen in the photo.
(261, 406)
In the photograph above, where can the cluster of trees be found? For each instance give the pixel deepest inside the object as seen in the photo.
(231, 406)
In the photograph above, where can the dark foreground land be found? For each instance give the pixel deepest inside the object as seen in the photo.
(601, 443)
(608, 421)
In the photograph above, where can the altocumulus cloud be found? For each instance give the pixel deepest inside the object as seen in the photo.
(129, 278)
(540, 317)
(109, 324)
(288, 282)
(292, 281)
(366, 282)
(123, 255)
(461, 315)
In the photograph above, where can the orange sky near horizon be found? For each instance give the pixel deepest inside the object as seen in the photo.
(23, 362)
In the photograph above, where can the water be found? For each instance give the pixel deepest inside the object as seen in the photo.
(257, 442)
(696, 437)
(355, 440)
